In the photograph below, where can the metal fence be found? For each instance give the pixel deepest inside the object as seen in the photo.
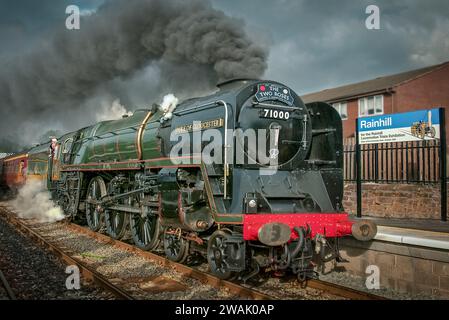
(398, 162)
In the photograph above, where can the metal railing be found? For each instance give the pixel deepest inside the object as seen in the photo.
(398, 162)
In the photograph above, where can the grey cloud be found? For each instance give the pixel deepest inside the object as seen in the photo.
(321, 44)
(61, 81)
(313, 45)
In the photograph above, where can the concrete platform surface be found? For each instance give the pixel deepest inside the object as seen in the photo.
(431, 239)
(420, 224)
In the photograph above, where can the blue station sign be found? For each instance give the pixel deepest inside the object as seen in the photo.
(400, 127)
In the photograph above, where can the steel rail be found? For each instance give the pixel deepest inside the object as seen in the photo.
(86, 271)
(335, 289)
(186, 270)
(342, 291)
(328, 287)
(5, 285)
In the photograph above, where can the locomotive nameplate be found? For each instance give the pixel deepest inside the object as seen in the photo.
(210, 124)
(269, 91)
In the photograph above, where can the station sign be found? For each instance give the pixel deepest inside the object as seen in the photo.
(400, 127)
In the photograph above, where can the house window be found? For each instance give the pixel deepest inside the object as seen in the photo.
(342, 108)
(369, 106)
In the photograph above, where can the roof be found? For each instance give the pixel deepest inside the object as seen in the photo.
(4, 155)
(13, 157)
(376, 85)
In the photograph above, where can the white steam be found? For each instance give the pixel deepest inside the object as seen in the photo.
(33, 202)
(168, 105)
(112, 111)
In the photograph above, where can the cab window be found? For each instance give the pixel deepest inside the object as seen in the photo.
(66, 149)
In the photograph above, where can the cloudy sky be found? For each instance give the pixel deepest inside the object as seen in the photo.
(311, 44)
(320, 44)
(314, 44)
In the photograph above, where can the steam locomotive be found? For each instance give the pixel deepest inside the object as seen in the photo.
(141, 178)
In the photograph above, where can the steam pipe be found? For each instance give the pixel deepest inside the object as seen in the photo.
(140, 134)
(301, 237)
(289, 259)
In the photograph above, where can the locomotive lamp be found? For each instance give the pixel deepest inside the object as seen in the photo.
(252, 203)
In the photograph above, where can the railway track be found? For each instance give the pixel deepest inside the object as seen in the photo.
(85, 270)
(343, 291)
(186, 270)
(6, 287)
(116, 290)
(234, 288)
(332, 288)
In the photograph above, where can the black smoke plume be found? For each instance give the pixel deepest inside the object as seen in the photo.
(183, 47)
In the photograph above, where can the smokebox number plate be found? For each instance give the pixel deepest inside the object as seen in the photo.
(274, 114)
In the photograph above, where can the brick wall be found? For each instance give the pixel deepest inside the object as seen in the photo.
(425, 92)
(415, 201)
(428, 91)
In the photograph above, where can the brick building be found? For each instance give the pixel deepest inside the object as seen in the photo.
(412, 90)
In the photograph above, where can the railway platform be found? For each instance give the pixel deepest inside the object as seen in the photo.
(422, 238)
(412, 256)
(414, 224)
(417, 232)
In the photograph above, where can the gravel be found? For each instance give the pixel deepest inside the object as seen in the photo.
(35, 274)
(358, 283)
(3, 293)
(286, 288)
(128, 269)
(148, 280)
(137, 274)
(142, 277)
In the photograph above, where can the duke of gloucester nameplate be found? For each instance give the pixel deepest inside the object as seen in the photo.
(200, 125)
